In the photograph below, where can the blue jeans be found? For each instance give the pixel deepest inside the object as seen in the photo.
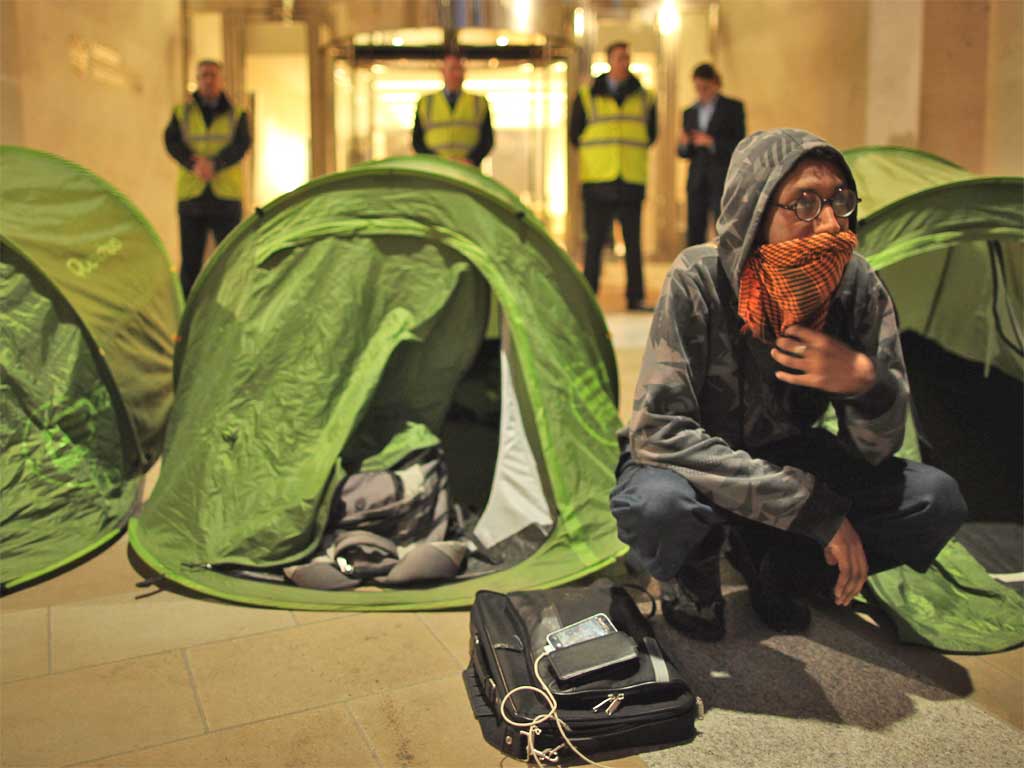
(904, 511)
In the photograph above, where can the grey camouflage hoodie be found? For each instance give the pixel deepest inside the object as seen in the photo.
(707, 401)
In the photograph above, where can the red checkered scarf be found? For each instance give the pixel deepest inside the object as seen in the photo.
(791, 283)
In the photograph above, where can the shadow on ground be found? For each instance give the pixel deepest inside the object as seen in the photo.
(843, 671)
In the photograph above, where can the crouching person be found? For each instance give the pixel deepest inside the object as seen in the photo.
(753, 337)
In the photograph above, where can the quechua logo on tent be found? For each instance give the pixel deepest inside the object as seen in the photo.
(83, 267)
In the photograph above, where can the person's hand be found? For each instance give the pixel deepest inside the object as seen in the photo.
(822, 362)
(846, 552)
(202, 168)
(702, 139)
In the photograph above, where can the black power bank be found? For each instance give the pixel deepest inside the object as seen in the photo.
(582, 659)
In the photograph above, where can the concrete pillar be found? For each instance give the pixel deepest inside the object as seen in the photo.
(321, 90)
(1004, 91)
(666, 214)
(953, 81)
(894, 72)
(234, 84)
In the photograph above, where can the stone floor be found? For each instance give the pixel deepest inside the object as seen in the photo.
(99, 672)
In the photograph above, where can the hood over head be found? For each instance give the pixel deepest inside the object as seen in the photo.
(760, 162)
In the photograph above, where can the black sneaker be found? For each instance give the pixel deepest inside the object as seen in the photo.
(692, 601)
(775, 601)
(773, 591)
(639, 306)
(699, 619)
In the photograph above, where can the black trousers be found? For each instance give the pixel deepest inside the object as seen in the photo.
(195, 222)
(904, 512)
(703, 195)
(598, 216)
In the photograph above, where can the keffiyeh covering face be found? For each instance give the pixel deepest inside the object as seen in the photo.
(792, 282)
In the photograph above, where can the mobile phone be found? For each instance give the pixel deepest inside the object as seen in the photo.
(597, 625)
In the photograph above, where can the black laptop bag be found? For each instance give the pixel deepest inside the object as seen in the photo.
(627, 705)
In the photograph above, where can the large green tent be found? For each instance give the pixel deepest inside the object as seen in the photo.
(345, 325)
(949, 246)
(90, 308)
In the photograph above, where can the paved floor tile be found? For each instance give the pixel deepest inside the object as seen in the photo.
(432, 726)
(24, 643)
(425, 726)
(627, 360)
(124, 626)
(89, 713)
(253, 678)
(107, 573)
(452, 629)
(994, 690)
(315, 617)
(326, 737)
(1010, 663)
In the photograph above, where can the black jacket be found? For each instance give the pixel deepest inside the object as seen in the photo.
(578, 121)
(728, 126)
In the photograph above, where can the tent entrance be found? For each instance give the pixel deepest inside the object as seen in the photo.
(448, 380)
(969, 427)
(495, 476)
(463, 371)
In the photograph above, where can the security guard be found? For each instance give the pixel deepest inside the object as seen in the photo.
(208, 136)
(452, 123)
(613, 122)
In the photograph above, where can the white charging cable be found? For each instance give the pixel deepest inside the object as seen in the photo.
(541, 756)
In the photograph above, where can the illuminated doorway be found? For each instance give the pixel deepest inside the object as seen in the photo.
(375, 107)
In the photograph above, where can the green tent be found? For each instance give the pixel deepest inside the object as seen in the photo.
(949, 246)
(90, 309)
(354, 320)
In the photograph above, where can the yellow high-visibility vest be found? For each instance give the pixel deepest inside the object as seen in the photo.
(207, 141)
(613, 143)
(451, 132)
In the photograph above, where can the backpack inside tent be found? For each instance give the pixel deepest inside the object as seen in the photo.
(949, 246)
(401, 305)
(90, 309)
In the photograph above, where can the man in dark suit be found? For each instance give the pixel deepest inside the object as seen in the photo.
(711, 130)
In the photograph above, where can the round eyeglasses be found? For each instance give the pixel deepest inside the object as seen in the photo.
(808, 206)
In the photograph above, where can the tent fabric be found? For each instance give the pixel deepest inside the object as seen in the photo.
(955, 606)
(65, 445)
(885, 174)
(326, 321)
(90, 309)
(517, 494)
(948, 245)
(110, 265)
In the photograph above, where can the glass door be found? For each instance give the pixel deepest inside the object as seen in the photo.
(376, 109)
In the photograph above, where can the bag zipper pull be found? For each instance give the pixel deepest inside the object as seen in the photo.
(613, 700)
(700, 708)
